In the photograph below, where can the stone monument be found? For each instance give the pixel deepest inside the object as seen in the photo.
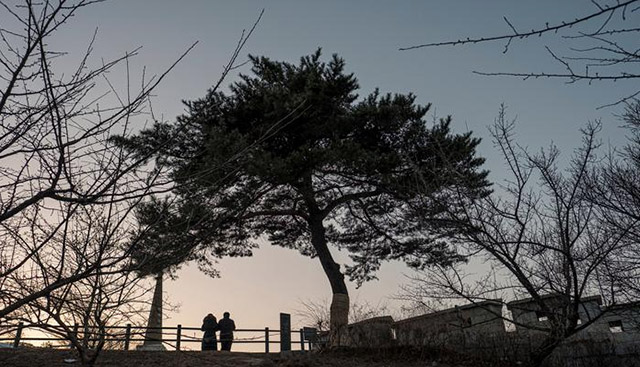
(153, 334)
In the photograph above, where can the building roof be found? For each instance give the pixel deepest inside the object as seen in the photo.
(482, 304)
(378, 319)
(595, 298)
(623, 306)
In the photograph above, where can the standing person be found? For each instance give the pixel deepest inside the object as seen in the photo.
(209, 326)
(226, 327)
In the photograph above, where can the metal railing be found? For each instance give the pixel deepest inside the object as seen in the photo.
(172, 337)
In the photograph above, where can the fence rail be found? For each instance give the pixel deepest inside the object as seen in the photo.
(175, 336)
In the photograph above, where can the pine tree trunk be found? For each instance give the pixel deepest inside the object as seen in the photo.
(340, 301)
(339, 318)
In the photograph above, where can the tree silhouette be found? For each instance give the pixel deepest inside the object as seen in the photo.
(614, 187)
(58, 166)
(169, 235)
(291, 155)
(67, 191)
(542, 236)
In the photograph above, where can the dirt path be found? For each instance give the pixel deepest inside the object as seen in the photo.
(31, 357)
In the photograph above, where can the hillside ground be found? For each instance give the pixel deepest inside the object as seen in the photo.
(30, 357)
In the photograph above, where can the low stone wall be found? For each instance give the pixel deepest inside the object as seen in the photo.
(456, 328)
(375, 332)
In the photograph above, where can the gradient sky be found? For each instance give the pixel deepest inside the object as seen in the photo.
(367, 34)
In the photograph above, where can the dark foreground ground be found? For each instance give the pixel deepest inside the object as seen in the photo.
(31, 357)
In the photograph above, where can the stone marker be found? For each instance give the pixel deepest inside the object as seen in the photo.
(285, 332)
(153, 335)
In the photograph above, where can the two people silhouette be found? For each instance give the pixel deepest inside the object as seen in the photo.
(210, 326)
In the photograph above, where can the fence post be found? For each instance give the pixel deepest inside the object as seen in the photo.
(266, 340)
(127, 337)
(16, 341)
(301, 339)
(179, 336)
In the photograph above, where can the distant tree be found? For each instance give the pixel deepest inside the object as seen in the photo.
(538, 234)
(164, 240)
(167, 238)
(290, 154)
(603, 44)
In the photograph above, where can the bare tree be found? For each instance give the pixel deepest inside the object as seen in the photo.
(56, 155)
(603, 44)
(537, 235)
(82, 311)
(59, 154)
(614, 187)
(68, 191)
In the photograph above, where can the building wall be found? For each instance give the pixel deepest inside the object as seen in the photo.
(375, 332)
(626, 338)
(478, 329)
(528, 317)
(452, 328)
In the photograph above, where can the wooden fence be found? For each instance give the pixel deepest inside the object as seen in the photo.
(173, 338)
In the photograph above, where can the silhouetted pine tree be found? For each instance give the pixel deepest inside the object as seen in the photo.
(291, 154)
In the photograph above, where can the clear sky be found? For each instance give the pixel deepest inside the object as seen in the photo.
(367, 34)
